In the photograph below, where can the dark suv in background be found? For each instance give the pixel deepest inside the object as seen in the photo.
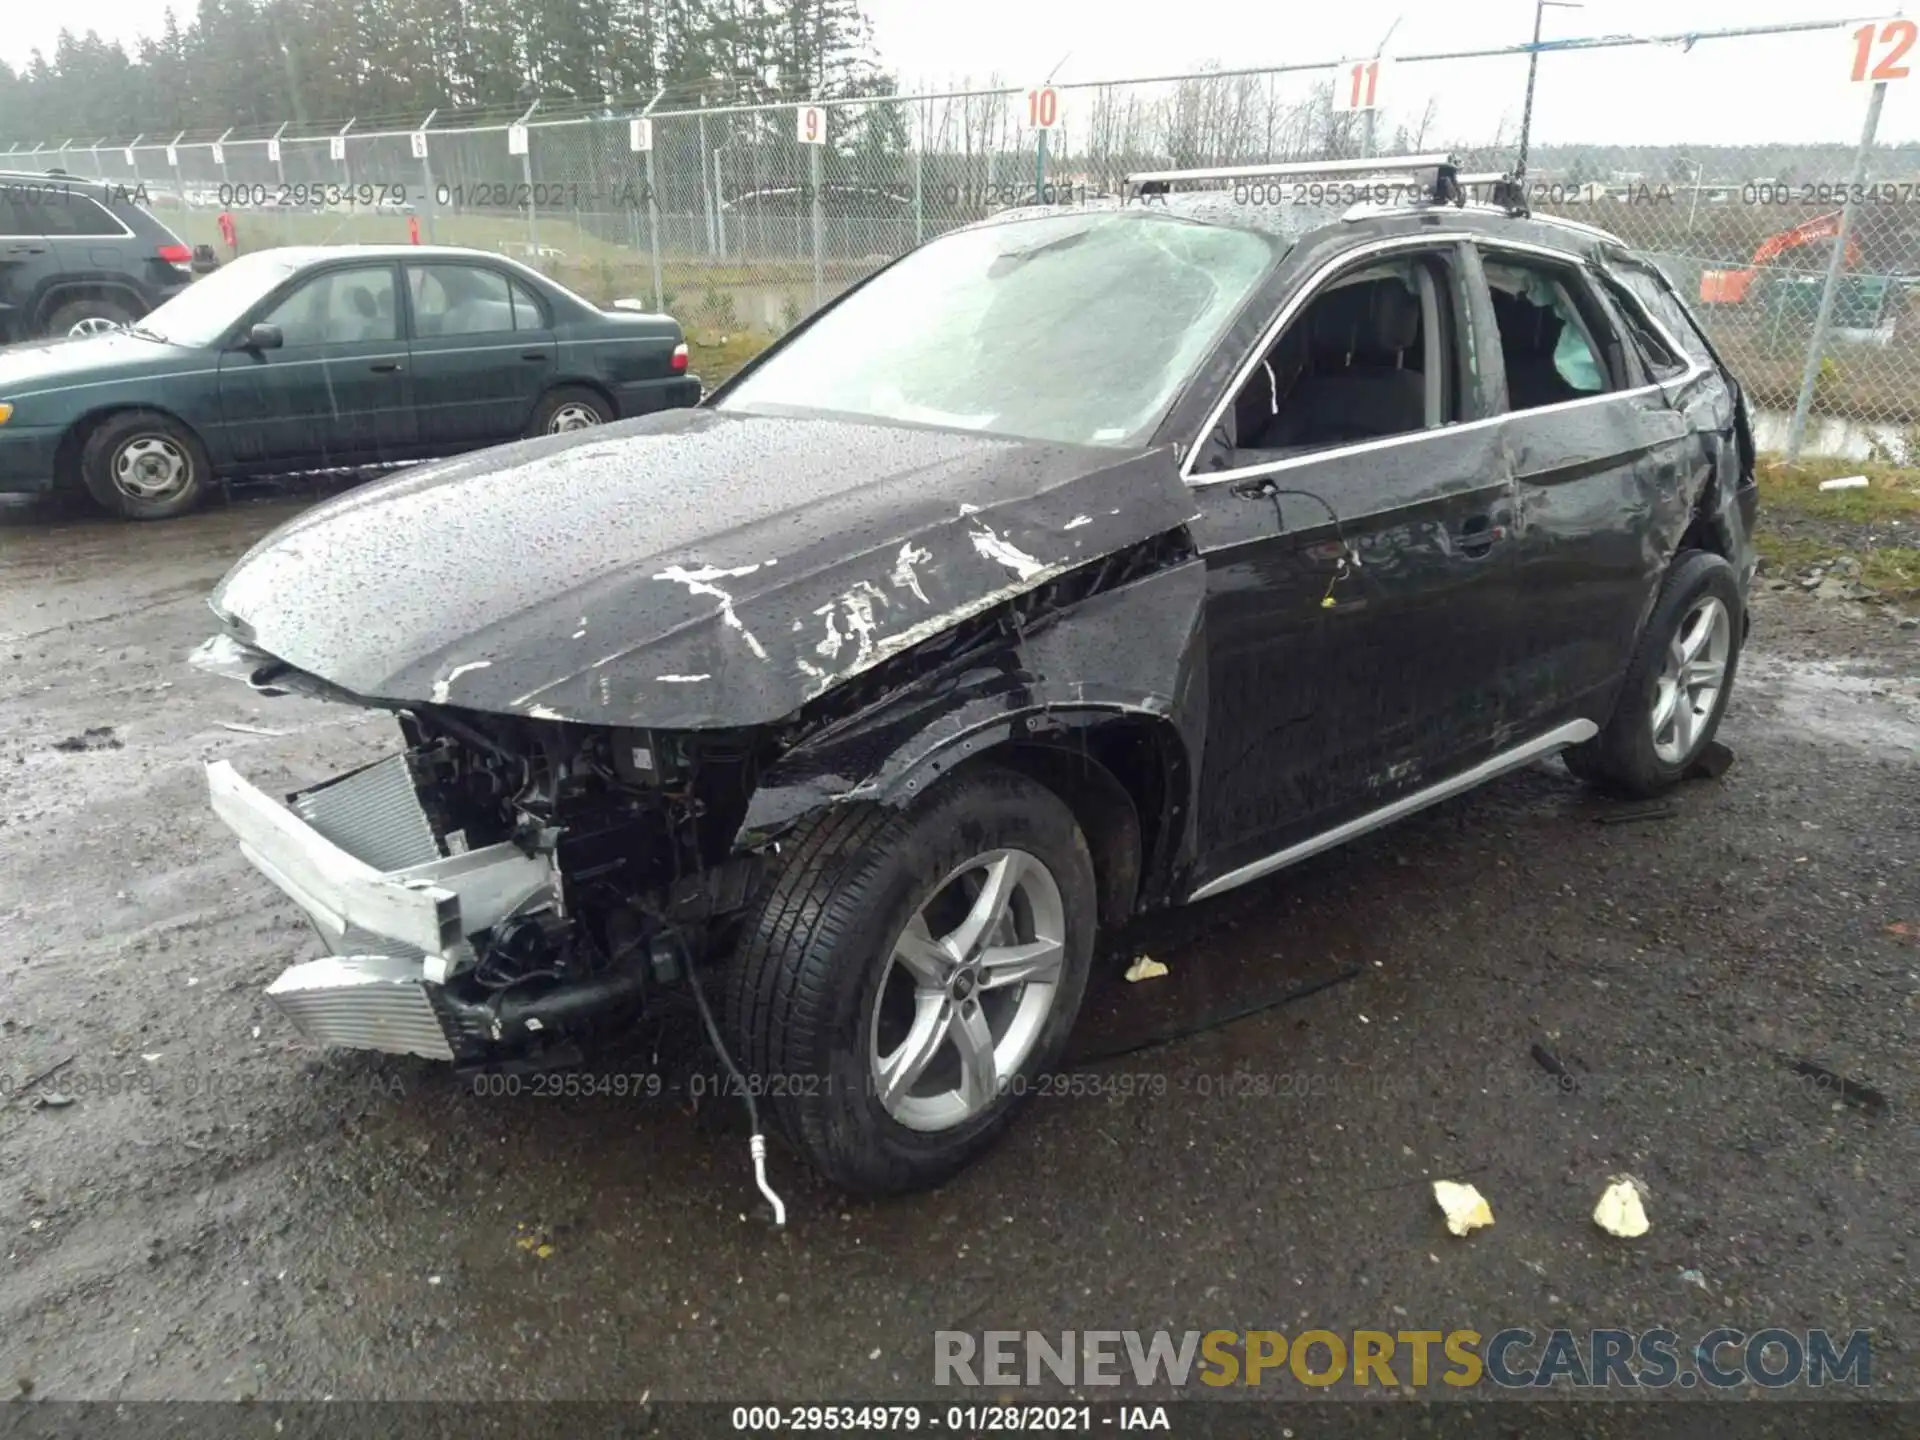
(78, 256)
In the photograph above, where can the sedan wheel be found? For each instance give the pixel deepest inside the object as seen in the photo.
(572, 416)
(967, 990)
(1695, 668)
(93, 325)
(151, 468)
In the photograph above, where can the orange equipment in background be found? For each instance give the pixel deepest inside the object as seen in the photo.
(1730, 287)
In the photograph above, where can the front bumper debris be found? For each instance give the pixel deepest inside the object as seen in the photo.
(396, 910)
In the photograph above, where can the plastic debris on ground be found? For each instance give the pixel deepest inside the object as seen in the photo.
(1622, 1209)
(1145, 967)
(1466, 1208)
(1845, 482)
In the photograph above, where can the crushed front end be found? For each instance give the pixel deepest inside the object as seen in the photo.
(502, 888)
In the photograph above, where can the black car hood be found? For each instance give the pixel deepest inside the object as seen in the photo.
(687, 570)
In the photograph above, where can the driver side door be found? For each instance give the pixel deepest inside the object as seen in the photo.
(1355, 513)
(336, 391)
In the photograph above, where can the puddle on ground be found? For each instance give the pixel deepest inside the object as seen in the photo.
(1829, 701)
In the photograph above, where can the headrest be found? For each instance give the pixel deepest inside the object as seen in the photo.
(1379, 316)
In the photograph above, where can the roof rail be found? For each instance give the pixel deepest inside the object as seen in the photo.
(1443, 185)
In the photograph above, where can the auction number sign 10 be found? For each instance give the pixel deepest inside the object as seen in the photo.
(1043, 108)
(1880, 51)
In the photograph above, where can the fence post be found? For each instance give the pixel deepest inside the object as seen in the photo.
(919, 174)
(653, 235)
(706, 198)
(426, 176)
(346, 155)
(813, 177)
(1817, 346)
(133, 158)
(526, 177)
(179, 181)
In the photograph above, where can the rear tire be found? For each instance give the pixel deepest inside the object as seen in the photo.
(848, 1006)
(143, 465)
(1677, 684)
(571, 407)
(89, 316)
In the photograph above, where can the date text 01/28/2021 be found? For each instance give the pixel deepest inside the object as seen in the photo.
(957, 1419)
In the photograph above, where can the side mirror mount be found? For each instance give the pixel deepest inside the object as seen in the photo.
(263, 337)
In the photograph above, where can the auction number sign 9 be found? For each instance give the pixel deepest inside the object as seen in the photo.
(1880, 51)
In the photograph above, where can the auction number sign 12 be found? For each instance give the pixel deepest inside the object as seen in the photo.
(1883, 51)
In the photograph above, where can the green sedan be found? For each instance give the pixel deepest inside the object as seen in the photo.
(325, 358)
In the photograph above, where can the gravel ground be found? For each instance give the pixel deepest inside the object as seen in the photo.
(223, 1211)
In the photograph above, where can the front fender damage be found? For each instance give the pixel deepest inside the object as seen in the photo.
(1051, 673)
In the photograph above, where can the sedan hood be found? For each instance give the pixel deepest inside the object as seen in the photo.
(48, 364)
(688, 570)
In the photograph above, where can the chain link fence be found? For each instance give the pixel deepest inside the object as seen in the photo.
(733, 221)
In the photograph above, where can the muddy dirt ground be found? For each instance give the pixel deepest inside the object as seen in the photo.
(223, 1211)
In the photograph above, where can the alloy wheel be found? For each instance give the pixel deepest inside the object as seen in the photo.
(1692, 674)
(967, 990)
(93, 325)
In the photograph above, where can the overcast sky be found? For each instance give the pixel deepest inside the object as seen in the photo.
(1727, 92)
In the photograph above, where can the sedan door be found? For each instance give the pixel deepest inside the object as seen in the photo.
(1354, 515)
(483, 352)
(335, 390)
(1599, 457)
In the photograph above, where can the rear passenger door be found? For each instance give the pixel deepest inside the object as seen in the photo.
(26, 264)
(1598, 457)
(483, 352)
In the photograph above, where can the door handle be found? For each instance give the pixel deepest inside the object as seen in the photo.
(1477, 536)
(385, 367)
(536, 356)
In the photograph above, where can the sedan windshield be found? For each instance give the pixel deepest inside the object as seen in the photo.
(1077, 328)
(208, 308)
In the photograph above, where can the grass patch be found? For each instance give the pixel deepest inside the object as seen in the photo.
(1893, 492)
(715, 356)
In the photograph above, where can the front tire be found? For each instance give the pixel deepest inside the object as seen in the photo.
(1677, 684)
(143, 465)
(908, 973)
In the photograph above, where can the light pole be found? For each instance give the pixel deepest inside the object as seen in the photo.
(1533, 68)
(1372, 111)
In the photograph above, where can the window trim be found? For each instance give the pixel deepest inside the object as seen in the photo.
(1622, 295)
(1304, 291)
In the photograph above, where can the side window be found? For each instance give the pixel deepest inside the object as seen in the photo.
(1660, 358)
(59, 212)
(1372, 355)
(340, 307)
(459, 300)
(1551, 342)
(528, 312)
(1649, 286)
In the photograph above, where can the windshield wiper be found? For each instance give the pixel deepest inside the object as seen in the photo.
(146, 334)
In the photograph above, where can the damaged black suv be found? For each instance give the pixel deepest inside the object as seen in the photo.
(1081, 562)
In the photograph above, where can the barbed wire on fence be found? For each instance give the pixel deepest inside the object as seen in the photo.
(740, 222)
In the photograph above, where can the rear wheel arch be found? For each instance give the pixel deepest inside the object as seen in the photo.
(574, 382)
(66, 292)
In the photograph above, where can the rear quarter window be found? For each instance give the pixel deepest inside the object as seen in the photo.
(1645, 283)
